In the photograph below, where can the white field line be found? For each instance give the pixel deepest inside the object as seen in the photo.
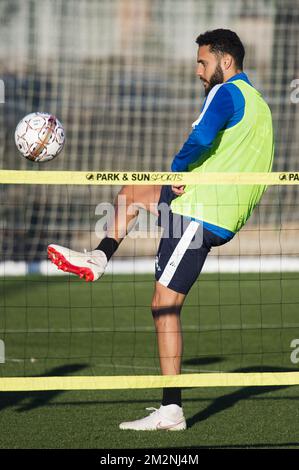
(214, 264)
(114, 366)
(150, 329)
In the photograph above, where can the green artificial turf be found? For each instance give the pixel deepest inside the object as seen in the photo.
(63, 326)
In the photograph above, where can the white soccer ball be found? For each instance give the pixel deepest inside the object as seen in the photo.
(39, 137)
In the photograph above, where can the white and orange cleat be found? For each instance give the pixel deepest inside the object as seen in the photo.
(90, 265)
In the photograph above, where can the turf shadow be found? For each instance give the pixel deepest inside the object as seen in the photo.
(202, 361)
(229, 400)
(38, 398)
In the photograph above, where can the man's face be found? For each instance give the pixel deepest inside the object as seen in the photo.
(209, 68)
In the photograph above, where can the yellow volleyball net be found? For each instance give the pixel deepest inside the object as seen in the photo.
(57, 332)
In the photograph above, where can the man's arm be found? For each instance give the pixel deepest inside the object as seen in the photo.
(217, 111)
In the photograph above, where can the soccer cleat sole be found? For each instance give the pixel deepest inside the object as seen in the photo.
(59, 260)
(180, 426)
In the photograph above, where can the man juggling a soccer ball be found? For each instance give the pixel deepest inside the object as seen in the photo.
(233, 133)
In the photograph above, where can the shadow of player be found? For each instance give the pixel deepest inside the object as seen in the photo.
(229, 400)
(38, 398)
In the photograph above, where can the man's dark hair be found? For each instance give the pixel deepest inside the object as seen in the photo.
(224, 41)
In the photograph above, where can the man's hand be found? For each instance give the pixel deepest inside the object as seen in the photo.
(178, 189)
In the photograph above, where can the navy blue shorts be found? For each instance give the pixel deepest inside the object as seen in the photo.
(183, 247)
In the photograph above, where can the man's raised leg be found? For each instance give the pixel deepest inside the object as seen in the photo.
(91, 265)
(126, 207)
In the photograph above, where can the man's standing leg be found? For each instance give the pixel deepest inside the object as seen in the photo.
(166, 309)
(178, 265)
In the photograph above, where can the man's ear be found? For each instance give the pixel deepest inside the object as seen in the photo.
(227, 61)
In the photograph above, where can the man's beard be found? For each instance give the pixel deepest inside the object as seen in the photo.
(215, 79)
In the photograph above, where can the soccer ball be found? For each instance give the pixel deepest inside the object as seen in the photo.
(39, 137)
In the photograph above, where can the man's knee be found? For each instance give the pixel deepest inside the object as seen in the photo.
(127, 192)
(126, 199)
(166, 303)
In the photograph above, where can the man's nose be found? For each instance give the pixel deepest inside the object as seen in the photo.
(199, 71)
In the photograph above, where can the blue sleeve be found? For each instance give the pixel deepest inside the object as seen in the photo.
(218, 110)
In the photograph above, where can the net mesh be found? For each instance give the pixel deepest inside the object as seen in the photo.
(120, 75)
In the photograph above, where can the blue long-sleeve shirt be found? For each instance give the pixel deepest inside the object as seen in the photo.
(223, 108)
